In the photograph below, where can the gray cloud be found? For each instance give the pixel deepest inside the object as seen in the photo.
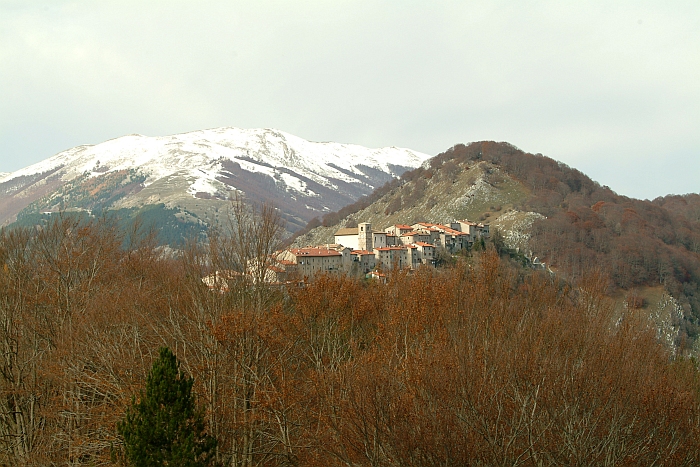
(607, 87)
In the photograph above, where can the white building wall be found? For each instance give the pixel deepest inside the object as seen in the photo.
(350, 241)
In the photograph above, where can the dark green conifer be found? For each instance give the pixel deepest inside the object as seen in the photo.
(165, 427)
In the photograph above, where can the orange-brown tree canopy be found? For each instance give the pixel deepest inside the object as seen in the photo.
(477, 364)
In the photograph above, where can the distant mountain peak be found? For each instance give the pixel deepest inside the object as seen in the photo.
(304, 178)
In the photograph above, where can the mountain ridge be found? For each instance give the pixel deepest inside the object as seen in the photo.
(198, 170)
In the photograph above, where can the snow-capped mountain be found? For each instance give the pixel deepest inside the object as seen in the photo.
(196, 172)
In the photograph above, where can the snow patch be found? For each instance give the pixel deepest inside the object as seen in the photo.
(294, 183)
(201, 155)
(203, 185)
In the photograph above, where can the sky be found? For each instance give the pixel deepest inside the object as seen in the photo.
(610, 88)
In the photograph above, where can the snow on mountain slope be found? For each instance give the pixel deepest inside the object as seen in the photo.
(200, 155)
(300, 176)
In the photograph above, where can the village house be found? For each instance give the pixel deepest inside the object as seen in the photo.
(473, 229)
(363, 249)
(398, 229)
(414, 236)
(419, 241)
(391, 257)
(364, 260)
(414, 256)
(288, 270)
(454, 240)
(429, 228)
(449, 237)
(314, 260)
(426, 252)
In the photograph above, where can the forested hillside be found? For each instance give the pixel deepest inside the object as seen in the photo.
(561, 215)
(480, 363)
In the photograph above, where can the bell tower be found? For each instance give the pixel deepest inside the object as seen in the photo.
(364, 236)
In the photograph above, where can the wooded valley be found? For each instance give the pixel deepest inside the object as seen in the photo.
(479, 363)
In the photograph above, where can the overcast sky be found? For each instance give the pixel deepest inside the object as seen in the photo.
(610, 87)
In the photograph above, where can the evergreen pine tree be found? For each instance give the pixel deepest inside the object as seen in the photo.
(165, 427)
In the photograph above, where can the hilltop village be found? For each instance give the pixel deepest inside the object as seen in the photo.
(364, 250)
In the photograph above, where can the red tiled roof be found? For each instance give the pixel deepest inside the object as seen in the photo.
(438, 227)
(424, 244)
(453, 231)
(361, 252)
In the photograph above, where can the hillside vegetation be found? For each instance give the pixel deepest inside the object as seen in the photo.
(556, 212)
(481, 363)
(477, 190)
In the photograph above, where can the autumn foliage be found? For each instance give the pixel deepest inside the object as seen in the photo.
(635, 243)
(481, 363)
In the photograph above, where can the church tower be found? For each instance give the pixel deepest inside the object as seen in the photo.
(364, 236)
